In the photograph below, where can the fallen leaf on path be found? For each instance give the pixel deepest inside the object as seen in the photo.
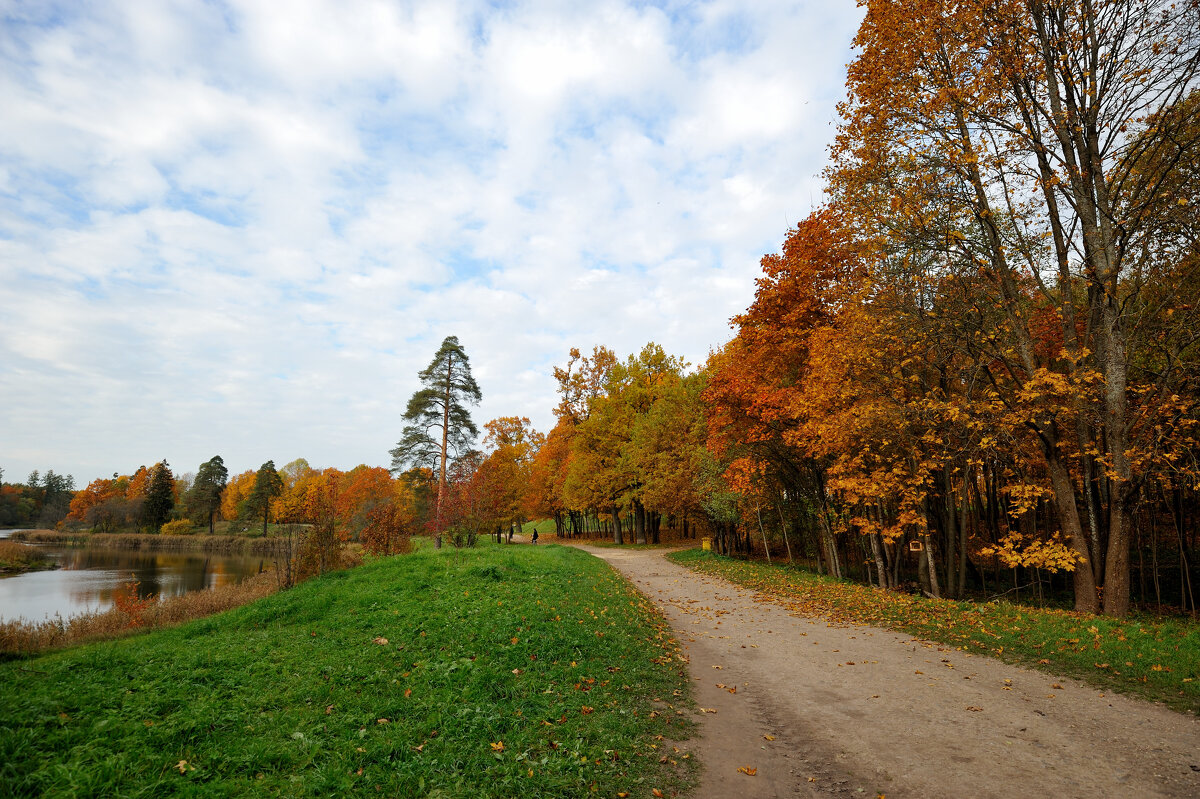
(747, 770)
(769, 737)
(973, 708)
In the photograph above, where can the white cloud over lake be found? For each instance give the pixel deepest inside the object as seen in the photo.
(242, 228)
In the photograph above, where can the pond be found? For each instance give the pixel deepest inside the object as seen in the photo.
(87, 577)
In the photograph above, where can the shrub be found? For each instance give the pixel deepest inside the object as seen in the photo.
(177, 527)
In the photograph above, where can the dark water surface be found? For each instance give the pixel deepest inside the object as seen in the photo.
(86, 579)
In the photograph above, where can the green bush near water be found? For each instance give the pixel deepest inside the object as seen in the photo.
(499, 671)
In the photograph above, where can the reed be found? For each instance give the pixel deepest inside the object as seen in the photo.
(215, 544)
(17, 557)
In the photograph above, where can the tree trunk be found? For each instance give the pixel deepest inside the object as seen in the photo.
(783, 532)
(761, 529)
(616, 517)
(445, 441)
(880, 566)
(951, 524)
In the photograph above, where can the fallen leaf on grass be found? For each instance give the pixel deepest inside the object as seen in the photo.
(748, 770)
(379, 639)
(657, 793)
(407, 693)
(182, 766)
(498, 746)
(585, 710)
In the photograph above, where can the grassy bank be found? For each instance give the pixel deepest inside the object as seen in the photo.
(1158, 659)
(502, 671)
(16, 558)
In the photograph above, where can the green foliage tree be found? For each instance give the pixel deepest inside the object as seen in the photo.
(204, 498)
(160, 497)
(441, 406)
(267, 486)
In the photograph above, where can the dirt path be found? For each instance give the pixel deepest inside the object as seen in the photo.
(835, 711)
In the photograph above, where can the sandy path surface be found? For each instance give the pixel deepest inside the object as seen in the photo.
(859, 711)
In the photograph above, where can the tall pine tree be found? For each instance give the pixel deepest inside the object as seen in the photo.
(439, 425)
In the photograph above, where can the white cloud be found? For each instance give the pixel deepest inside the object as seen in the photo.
(234, 229)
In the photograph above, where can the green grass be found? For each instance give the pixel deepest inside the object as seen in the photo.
(545, 528)
(1155, 658)
(535, 672)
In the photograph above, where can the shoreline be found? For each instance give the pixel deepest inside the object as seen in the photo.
(217, 544)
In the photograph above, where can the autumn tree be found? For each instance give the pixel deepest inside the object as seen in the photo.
(236, 492)
(1025, 116)
(439, 425)
(511, 444)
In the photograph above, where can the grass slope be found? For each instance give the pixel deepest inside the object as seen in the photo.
(1158, 659)
(500, 671)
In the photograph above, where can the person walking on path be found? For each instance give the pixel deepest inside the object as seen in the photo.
(535, 535)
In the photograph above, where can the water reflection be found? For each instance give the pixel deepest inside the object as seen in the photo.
(87, 579)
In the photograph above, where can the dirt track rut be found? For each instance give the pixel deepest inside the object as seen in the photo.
(860, 711)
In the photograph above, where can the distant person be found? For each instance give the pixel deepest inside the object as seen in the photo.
(510, 535)
(535, 535)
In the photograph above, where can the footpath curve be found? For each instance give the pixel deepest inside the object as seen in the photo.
(822, 710)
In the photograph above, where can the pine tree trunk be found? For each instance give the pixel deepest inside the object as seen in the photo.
(445, 441)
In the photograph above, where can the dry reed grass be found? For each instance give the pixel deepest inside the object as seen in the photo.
(15, 556)
(29, 638)
(216, 544)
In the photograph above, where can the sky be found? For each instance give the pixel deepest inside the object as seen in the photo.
(241, 228)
